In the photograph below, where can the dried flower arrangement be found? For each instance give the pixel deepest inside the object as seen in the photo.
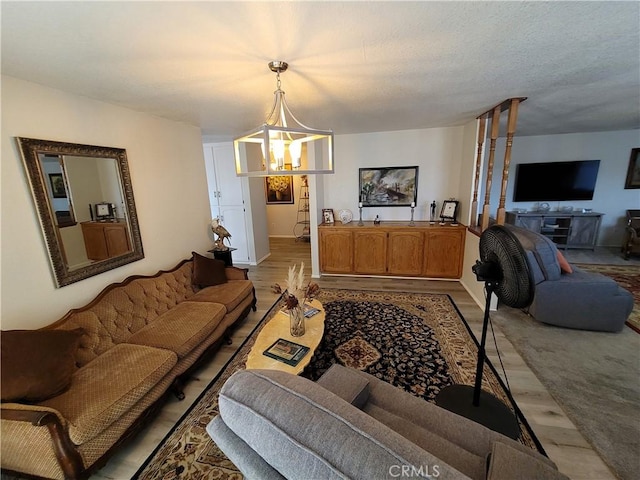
(295, 288)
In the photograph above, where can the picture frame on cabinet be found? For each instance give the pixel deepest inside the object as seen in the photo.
(633, 172)
(104, 211)
(327, 215)
(449, 211)
(279, 189)
(388, 186)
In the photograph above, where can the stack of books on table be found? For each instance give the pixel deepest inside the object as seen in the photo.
(287, 352)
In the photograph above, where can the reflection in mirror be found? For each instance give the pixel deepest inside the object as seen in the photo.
(84, 198)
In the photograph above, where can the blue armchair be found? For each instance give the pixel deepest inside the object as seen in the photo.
(581, 300)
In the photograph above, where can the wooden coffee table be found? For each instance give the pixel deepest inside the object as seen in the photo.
(278, 327)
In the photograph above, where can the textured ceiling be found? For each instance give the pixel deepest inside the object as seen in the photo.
(354, 66)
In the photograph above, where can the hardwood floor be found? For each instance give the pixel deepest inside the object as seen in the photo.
(562, 441)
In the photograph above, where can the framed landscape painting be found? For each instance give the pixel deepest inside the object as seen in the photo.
(388, 186)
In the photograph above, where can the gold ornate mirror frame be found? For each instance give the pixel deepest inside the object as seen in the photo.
(33, 151)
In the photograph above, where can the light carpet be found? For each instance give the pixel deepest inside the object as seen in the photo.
(418, 342)
(594, 377)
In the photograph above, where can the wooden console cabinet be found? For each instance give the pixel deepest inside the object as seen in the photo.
(392, 248)
(104, 240)
(565, 229)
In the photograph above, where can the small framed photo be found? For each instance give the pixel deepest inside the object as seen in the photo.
(57, 185)
(633, 173)
(104, 211)
(327, 215)
(449, 210)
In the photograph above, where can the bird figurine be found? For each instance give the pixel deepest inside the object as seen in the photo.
(221, 233)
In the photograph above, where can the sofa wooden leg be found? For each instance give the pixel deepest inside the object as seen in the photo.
(177, 389)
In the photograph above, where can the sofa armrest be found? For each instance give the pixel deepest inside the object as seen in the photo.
(35, 414)
(235, 273)
(346, 384)
(43, 417)
(507, 463)
(301, 429)
(603, 305)
(242, 455)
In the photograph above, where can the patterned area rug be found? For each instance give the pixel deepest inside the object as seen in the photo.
(419, 343)
(628, 277)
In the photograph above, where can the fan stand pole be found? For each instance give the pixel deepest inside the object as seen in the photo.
(474, 403)
(477, 389)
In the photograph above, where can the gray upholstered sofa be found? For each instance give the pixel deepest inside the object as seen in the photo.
(275, 425)
(582, 300)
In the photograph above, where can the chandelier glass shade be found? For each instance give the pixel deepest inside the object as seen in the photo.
(283, 145)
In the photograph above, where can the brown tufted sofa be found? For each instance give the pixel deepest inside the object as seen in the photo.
(141, 337)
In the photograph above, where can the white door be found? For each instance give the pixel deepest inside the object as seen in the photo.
(229, 185)
(233, 219)
(226, 197)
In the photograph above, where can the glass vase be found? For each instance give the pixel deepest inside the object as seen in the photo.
(296, 321)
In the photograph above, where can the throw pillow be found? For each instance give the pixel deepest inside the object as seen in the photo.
(208, 271)
(564, 265)
(37, 364)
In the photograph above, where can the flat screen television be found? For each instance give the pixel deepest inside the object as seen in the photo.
(537, 182)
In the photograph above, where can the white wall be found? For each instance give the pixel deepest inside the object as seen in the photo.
(467, 171)
(436, 151)
(169, 185)
(282, 217)
(257, 229)
(472, 241)
(611, 148)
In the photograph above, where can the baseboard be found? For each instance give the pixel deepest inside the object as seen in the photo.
(480, 301)
(260, 260)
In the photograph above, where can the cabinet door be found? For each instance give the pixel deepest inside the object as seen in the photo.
(94, 241)
(336, 251)
(405, 253)
(229, 185)
(444, 249)
(530, 223)
(210, 170)
(117, 238)
(233, 219)
(226, 197)
(370, 252)
(584, 231)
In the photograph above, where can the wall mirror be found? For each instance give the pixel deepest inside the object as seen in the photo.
(84, 198)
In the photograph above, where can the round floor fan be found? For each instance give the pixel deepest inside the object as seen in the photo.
(504, 268)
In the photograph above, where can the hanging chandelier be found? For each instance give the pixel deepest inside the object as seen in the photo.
(283, 145)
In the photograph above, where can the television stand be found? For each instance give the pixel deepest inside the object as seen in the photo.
(565, 229)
